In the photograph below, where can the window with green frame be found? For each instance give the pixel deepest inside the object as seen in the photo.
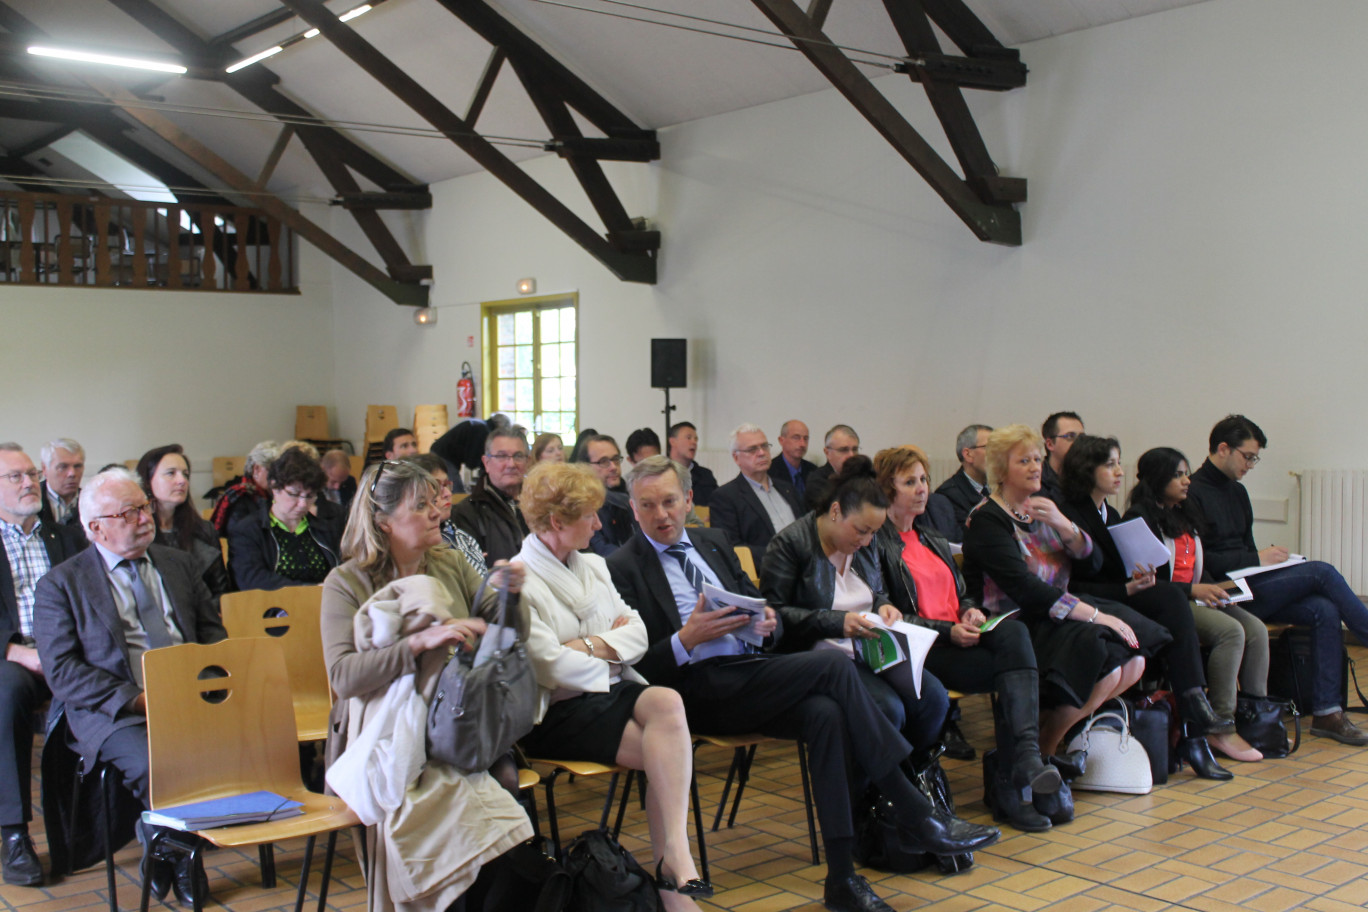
(530, 363)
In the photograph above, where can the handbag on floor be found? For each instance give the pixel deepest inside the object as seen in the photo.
(1117, 762)
(604, 877)
(1262, 721)
(876, 830)
(1151, 723)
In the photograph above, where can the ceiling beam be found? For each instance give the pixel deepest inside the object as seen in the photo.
(966, 30)
(491, 72)
(42, 142)
(252, 27)
(999, 223)
(817, 12)
(629, 266)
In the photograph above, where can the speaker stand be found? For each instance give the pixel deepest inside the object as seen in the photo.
(666, 412)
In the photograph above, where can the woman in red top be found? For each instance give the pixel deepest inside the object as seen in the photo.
(1237, 639)
(925, 585)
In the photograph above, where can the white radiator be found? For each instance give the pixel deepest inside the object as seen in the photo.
(1333, 505)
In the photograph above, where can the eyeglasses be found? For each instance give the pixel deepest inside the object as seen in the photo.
(131, 515)
(845, 450)
(519, 458)
(381, 471)
(606, 461)
(1250, 461)
(1072, 435)
(14, 478)
(305, 496)
(756, 450)
(981, 446)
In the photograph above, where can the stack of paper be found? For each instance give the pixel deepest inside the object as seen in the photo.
(895, 643)
(253, 807)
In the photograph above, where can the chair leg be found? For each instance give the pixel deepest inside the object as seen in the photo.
(529, 799)
(622, 805)
(327, 871)
(550, 812)
(196, 861)
(698, 827)
(608, 802)
(107, 796)
(304, 873)
(807, 800)
(743, 777)
(153, 843)
(266, 853)
(727, 786)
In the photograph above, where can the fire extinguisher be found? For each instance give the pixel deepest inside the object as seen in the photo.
(465, 392)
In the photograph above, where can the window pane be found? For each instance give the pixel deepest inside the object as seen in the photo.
(525, 393)
(507, 400)
(550, 361)
(524, 418)
(567, 401)
(567, 316)
(524, 361)
(567, 359)
(550, 327)
(550, 395)
(506, 361)
(505, 330)
(523, 327)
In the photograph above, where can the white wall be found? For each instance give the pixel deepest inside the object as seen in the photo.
(123, 371)
(1189, 251)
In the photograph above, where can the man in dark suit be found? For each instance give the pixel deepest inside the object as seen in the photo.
(1060, 430)
(97, 614)
(791, 466)
(728, 688)
(839, 444)
(31, 548)
(754, 505)
(967, 487)
(64, 466)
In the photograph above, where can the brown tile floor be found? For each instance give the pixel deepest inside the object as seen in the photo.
(1284, 834)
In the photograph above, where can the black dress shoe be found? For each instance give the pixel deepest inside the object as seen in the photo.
(695, 887)
(21, 864)
(939, 833)
(1196, 711)
(185, 879)
(1070, 765)
(1197, 752)
(852, 894)
(159, 873)
(956, 746)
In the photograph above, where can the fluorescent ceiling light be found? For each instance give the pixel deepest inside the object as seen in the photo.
(269, 52)
(311, 33)
(108, 59)
(352, 14)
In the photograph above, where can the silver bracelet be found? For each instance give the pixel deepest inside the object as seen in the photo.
(590, 644)
(1094, 614)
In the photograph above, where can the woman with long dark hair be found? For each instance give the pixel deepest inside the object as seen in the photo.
(1237, 639)
(165, 475)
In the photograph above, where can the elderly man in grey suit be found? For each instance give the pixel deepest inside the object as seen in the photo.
(95, 616)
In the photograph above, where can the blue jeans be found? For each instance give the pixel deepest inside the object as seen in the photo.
(1313, 595)
(920, 719)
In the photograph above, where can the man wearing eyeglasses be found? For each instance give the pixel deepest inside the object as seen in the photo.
(32, 548)
(839, 444)
(1060, 431)
(490, 514)
(64, 466)
(754, 505)
(1311, 594)
(94, 617)
(967, 487)
(616, 524)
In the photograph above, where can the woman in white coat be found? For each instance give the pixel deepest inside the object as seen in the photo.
(582, 641)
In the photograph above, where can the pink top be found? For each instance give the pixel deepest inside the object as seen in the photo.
(937, 599)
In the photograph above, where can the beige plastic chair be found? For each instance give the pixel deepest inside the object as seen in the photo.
(216, 727)
(747, 561)
(291, 616)
(226, 468)
(311, 422)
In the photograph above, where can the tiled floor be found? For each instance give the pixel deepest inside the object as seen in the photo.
(1285, 834)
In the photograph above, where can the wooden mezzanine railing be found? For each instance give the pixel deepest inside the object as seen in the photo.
(56, 239)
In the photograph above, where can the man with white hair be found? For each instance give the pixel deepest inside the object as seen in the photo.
(754, 505)
(32, 548)
(242, 496)
(64, 465)
(94, 617)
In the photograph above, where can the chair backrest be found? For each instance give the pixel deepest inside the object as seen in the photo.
(226, 468)
(311, 422)
(430, 416)
(291, 616)
(216, 725)
(358, 464)
(427, 435)
(380, 420)
(747, 560)
(704, 514)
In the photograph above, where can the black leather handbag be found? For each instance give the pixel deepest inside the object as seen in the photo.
(480, 711)
(1262, 721)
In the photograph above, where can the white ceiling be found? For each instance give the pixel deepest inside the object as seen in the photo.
(657, 74)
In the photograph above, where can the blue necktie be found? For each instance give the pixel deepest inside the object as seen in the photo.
(149, 613)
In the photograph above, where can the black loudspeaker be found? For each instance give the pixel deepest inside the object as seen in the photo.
(669, 363)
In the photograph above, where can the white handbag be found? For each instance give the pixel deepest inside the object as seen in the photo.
(1117, 762)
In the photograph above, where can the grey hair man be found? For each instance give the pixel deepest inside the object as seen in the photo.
(246, 494)
(754, 505)
(967, 487)
(490, 514)
(64, 465)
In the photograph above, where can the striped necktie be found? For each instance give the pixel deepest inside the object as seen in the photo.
(680, 552)
(149, 612)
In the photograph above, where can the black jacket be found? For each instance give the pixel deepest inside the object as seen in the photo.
(704, 484)
(1228, 528)
(940, 515)
(46, 515)
(963, 496)
(640, 580)
(1050, 485)
(617, 523)
(61, 542)
(492, 520)
(253, 552)
(779, 470)
(901, 588)
(1108, 578)
(737, 511)
(799, 582)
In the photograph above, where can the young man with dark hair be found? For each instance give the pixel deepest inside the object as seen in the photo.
(1060, 430)
(1311, 594)
(683, 448)
(399, 443)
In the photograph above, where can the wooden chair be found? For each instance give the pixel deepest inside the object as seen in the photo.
(311, 422)
(747, 560)
(430, 416)
(743, 755)
(358, 465)
(226, 468)
(704, 514)
(291, 616)
(207, 513)
(380, 420)
(216, 727)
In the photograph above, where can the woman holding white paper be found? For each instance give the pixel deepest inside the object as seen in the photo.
(926, 586)
(1092, 472)
(1237, 639)
(583, 640)
(823, 578)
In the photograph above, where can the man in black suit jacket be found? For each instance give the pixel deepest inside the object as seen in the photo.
(791, 466)
(97, 614)
(64, 465)
(754, 505)
(967, 487)
(31, 548)
(728, 688)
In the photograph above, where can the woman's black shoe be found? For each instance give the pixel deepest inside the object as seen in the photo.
(1194, 709)
(1070, 765)
(694, 888)
(1059, 807)
(1195, 750)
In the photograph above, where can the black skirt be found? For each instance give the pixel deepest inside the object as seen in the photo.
(1073, 656)
(587, 727)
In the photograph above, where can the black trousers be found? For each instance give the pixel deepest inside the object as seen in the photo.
(1005, 648)
(21, 693)
(816, 696)
(1167, 605)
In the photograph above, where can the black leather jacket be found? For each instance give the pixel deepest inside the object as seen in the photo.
(901, 588)
(799, 582)
(252, 549)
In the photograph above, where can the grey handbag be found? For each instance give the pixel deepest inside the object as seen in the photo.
(480, 711)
